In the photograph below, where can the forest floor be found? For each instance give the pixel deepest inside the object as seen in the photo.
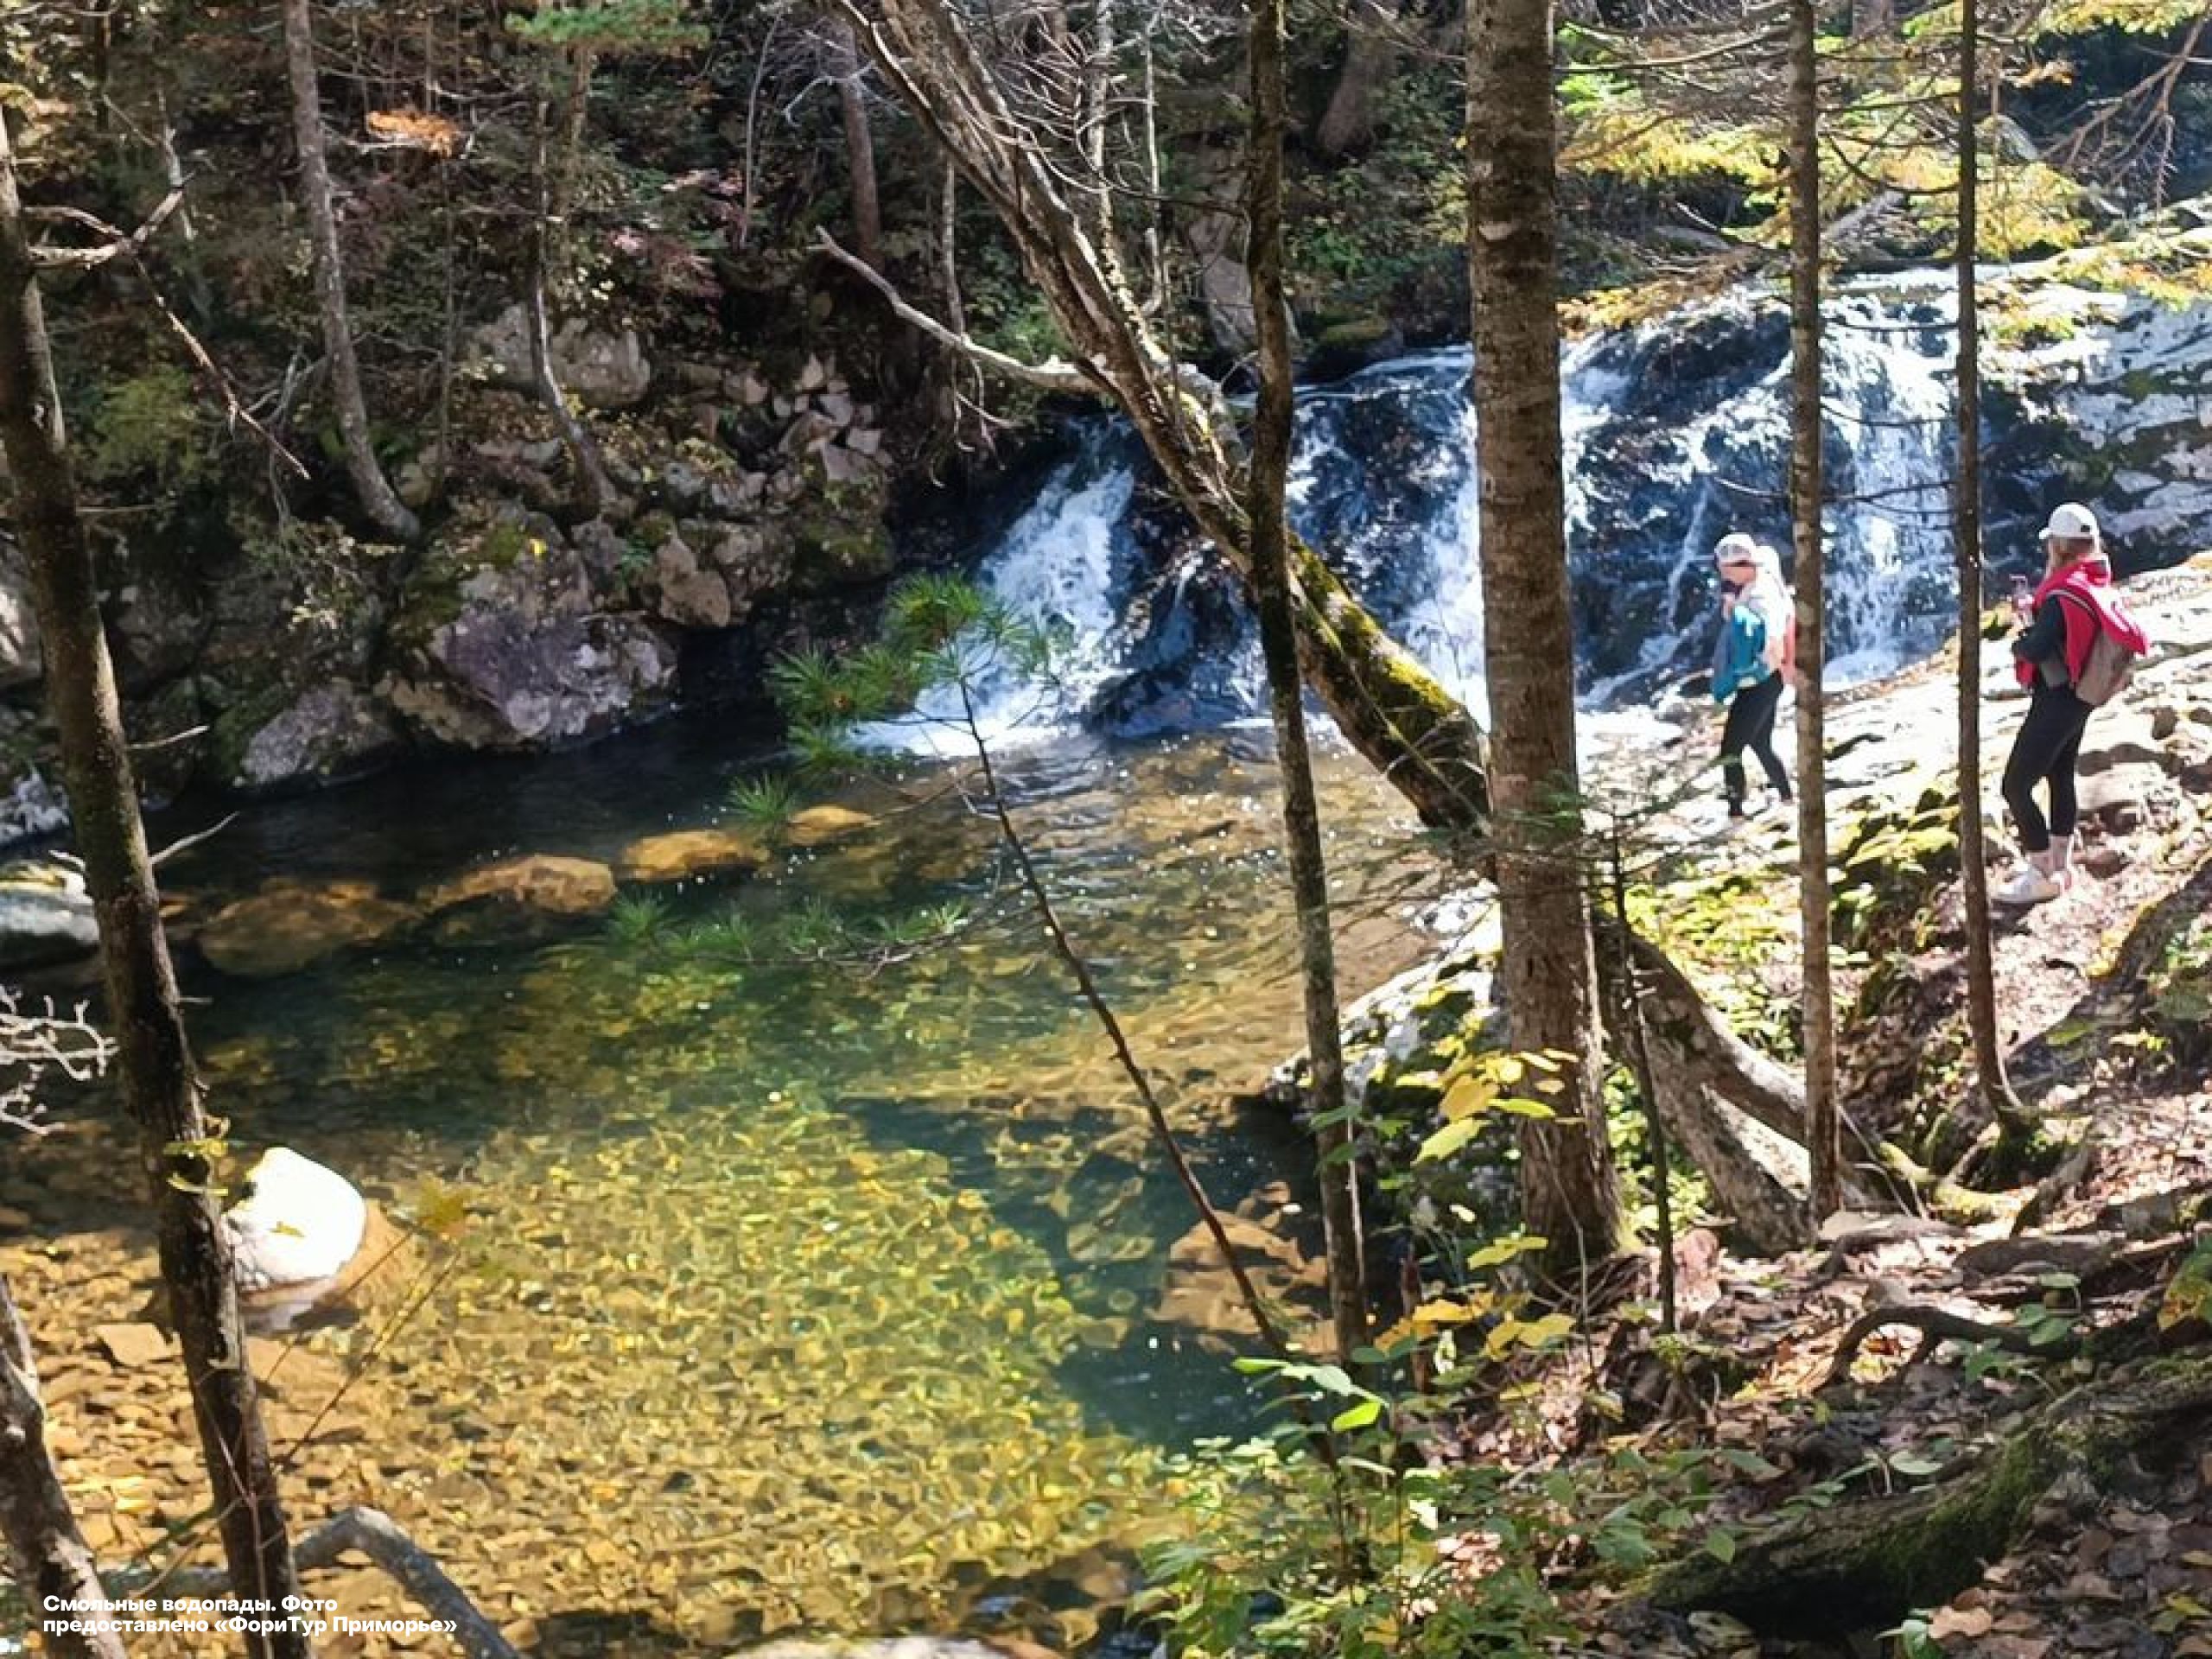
(2012, 1312)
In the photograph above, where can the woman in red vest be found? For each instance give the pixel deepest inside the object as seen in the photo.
(2072, 606)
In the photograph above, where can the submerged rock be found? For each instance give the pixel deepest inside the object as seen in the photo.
(682, 854)
(297, 1223)
(289, 925)
(818, 826)
(519, 898)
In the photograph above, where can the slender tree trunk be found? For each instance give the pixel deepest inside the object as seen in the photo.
(45, 1553)
(1996, 1090)
(1549, 974)
(1269, 480)
(1822, 1140)
(378, 498)
(1370, 59)
(1155, 259)
(159, 1088)
(1097, 110)
(860, 143)
(593, 489)
(565, 179)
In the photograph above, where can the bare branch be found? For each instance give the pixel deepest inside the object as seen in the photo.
(1057, 375)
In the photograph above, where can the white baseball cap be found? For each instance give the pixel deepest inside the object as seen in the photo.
(2071, 522)
(1735, 548)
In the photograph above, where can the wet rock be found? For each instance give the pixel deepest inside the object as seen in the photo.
(31, 806)
(289, 925)
(519, 898)
(331, 730)
(682, 855)
(45, 916)
(297, 1223)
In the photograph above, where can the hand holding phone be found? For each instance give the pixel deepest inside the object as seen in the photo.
(2023, 600)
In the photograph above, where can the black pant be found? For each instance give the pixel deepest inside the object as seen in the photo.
(1750, 725)
(2044, 753)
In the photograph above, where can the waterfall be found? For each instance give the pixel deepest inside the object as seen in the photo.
(1675, 431)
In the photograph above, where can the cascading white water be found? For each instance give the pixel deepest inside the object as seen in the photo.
(1677, 431)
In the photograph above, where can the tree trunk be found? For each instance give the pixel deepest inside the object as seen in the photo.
(1994, 1087)
(378, 499)
(1268, 478)
(1822, 1139)
(860, 143)
(159, 1089)
(1370, 59)
(45, 1553)
(1548, 975)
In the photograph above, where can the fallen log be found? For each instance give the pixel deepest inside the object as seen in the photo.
(1862, 1567)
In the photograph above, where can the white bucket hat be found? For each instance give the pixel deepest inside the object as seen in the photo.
(2071, 522)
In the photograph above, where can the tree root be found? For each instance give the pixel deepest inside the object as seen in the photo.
(377, 1536)
(1937, 1327)
(1862, 1567)
(1943, 1195)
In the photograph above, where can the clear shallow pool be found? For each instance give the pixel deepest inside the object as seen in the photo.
(790, 1294)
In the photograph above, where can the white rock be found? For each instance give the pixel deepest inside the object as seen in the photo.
(298, 1222)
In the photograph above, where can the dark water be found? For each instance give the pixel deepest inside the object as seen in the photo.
(824, 1286)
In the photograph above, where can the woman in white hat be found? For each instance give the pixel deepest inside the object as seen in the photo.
(2073, 605)
(1753, 656)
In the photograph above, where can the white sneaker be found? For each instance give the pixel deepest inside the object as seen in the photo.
(2028, 886)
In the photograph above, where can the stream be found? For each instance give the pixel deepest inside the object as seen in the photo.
(789, 1293)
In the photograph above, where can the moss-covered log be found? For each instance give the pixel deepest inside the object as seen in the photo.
(1861, 1567)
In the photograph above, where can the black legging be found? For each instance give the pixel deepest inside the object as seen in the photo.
(1750, 725)
(2044, 753)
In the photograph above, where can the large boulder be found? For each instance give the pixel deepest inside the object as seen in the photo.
(331, 730)
(504, 644)
(45, 916)
(296, 1223)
